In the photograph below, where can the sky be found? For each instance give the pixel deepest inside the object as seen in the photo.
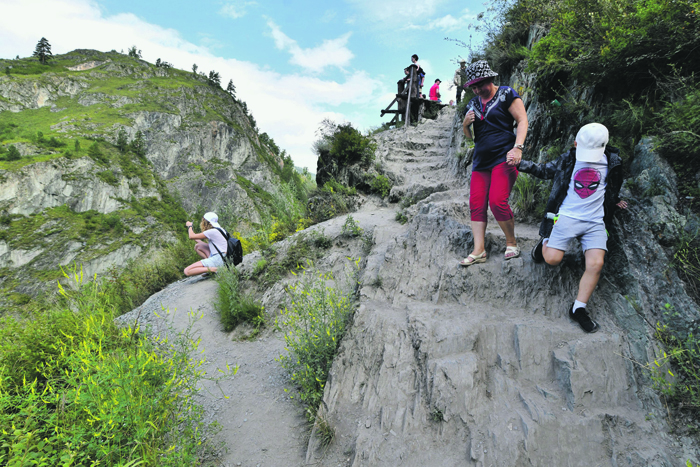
(293, 63)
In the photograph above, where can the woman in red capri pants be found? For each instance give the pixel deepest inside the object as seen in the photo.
(493, 111)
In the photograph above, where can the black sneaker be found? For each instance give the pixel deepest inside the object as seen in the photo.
(582, 318)
(537, 252)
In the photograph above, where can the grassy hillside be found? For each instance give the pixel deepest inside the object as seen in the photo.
(104, 162)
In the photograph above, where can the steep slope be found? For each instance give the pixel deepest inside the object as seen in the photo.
(449, 366)
(193, 148)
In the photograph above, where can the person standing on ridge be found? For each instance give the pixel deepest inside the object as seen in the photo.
(435, 91)
(421, 75)
(497, 151)
(585, 193)
(460, 79)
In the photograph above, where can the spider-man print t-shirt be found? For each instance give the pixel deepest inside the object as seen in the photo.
(584, 199)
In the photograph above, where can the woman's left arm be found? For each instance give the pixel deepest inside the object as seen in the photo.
(517, 110)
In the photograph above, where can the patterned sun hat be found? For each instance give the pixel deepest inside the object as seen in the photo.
(479, 71)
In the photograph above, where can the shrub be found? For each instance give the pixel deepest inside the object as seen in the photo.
(682, 355)
(129, 287)
(345, 144)
(13, 154)
(529, 196)
(381, 184)
(313, 323)
(80, 391)
(235, 308)
(108, 177)
(351, 228)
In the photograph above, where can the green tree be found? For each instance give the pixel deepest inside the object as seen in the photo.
(214, 79)
(77, 145)
(138, 145)
(231, 89)
(43, 51)
(7, 70)
(194, 69)
(122, 141)
(134, 52)
(13, 154)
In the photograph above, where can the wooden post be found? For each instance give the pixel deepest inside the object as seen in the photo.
(407, 119)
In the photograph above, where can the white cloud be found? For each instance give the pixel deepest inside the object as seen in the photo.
(235, 10)
(396, 11)
(332, 52)
(446, 23)
(291, 118)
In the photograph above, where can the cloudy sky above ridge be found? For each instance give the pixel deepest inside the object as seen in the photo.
(293, 63)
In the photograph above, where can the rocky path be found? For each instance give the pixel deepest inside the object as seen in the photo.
(442, 365)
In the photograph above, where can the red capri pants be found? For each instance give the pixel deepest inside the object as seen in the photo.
(492, 187)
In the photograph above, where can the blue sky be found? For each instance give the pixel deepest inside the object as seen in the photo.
(294, 63)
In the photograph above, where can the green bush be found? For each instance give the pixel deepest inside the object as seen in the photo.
(381, 184)
(129, 287)
(681, 361)
(529, 196)
(619, 38)
(108, 177)
(313, 323)
(235, 308)
(351, 228)
(345, 144)
(80, 391)
(679, 140)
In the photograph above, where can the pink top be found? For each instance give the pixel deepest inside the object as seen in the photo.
(434, 91)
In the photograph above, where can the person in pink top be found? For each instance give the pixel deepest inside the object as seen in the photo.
(435, 91)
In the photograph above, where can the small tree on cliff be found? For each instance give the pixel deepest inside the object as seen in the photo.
(138, 145)
(122, 142)
(231, 89)
(214, 79)
(13, 154)
(134, 52)
(43, 51)
(194, 69)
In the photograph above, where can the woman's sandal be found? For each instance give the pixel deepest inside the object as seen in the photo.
(474, 259)
(511, 252)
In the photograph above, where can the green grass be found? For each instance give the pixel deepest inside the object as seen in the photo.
(234, 307)
(81, 391)
(313, 323)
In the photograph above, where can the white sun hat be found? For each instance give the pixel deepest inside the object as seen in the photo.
(590, 142)
(212, 218)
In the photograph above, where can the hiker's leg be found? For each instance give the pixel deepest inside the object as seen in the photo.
(595, 259)
(202, 249)
(478, 202)
(503, 178)
(196, 269)
(552, 256)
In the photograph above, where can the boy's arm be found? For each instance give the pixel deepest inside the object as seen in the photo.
(543, 171)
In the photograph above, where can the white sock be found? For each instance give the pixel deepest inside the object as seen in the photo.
(578, 305)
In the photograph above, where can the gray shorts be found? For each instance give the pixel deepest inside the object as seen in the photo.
(214, 261)
(590, 234)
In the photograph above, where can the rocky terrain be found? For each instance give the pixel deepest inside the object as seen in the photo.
(453, 366)
(200, 152)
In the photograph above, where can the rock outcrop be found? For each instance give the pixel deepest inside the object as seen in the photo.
(481, 366)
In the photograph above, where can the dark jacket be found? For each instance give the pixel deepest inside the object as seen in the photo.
(561, 169)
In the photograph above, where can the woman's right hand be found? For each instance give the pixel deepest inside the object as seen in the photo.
(469, 118)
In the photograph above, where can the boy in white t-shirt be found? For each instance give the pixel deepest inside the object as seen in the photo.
(585, 193)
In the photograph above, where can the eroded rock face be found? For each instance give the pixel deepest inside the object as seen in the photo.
(481, 366)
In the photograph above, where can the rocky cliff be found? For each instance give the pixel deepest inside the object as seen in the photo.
(199, 151)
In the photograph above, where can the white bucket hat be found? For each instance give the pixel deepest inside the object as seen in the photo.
(591, 141)
(212, 218)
